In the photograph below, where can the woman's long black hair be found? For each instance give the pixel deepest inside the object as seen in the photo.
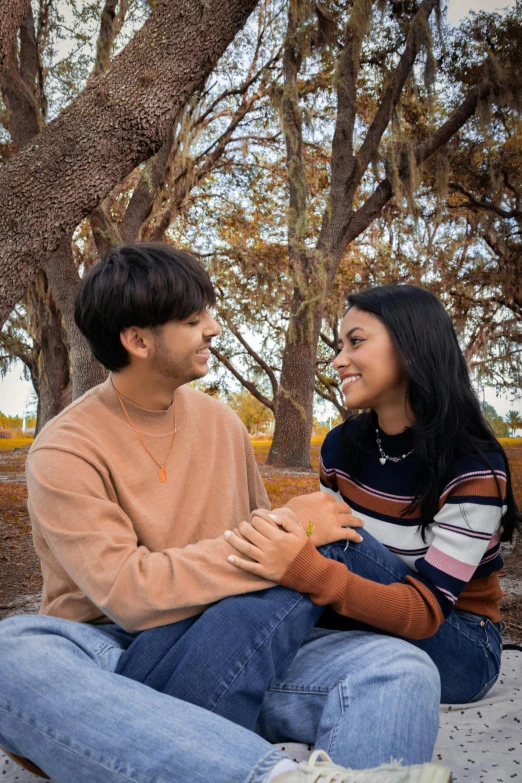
(448, 419)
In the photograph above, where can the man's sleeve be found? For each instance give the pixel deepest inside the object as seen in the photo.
(96, 544)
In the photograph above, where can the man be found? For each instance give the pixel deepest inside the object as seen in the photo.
(130, 491)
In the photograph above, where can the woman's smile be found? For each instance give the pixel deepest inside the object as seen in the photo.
(347, 380)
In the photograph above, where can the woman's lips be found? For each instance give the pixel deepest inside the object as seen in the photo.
(347, 382)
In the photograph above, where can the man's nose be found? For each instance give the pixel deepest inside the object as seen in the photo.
(213, 328)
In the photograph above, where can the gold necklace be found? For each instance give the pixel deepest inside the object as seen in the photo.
(162, 471)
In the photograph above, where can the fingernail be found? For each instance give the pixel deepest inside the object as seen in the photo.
(227, 533)
(273, 516)
(360, 539)
(231, 559)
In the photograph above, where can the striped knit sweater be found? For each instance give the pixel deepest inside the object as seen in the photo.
(457, 566)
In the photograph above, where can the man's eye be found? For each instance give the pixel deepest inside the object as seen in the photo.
(195, 323)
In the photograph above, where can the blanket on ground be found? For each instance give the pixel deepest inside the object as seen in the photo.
(480, 743)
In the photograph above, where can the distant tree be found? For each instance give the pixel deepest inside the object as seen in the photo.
(498, 425)
(514, 421)
(255, 416)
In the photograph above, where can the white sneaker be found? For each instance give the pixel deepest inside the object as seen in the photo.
(325, 771)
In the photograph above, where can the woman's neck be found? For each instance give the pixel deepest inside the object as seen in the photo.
(394, 420)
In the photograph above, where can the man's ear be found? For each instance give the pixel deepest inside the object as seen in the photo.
(135, 341)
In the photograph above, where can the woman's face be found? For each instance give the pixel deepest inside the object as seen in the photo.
(371, 373)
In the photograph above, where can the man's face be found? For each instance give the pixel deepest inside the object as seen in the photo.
(181, 349)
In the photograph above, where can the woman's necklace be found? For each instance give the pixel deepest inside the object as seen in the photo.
(384, 457)
(162, 471)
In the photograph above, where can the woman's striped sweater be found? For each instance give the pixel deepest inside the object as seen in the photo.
(456, 567)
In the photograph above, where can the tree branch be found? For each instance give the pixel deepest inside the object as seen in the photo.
(118, 121)
(486, 205)
(360, 221)
(257, 358)
(252, 388)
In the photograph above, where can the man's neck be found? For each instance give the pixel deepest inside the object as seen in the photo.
(154, 394)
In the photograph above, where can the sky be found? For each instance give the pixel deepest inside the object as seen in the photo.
(15, 392)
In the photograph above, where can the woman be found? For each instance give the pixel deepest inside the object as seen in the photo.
(426, 476)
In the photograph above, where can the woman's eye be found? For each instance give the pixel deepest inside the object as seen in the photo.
(356, 340)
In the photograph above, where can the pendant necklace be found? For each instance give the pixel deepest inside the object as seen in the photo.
(384, 457)
(162, 472)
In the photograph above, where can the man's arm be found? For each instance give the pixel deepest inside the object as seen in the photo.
(95, 543)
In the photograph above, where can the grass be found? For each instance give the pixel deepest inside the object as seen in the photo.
(9, 444)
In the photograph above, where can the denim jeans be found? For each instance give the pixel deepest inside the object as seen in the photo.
(62, 706)
(226, 659)
(466, 649)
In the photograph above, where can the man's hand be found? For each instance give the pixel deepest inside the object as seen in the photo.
(332, 521)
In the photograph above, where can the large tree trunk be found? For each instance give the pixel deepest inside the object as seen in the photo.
(53, 372)
(64, 279)
(11, 15)
(294, 419)
(121, 119)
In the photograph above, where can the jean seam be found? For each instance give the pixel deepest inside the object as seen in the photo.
(57, 742)
(266, 765)
(301, 691)
(335, 730)
(267, 636)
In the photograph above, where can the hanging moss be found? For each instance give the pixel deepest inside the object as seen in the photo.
(442, 174)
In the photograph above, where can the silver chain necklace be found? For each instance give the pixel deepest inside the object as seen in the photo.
(384, 457)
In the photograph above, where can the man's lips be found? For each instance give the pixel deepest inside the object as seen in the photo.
(204, 353)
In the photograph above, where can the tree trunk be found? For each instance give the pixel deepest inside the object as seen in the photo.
(11, 15)
(53, 372)
(120, 119)
(64, 279)
(294, 419)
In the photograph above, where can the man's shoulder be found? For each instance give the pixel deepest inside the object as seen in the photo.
(73, 425)
(210, 406)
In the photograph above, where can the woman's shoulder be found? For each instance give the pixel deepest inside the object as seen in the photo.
(488, 466)
(338, 436)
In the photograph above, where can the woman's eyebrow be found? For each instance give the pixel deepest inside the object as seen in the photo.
(354, 329)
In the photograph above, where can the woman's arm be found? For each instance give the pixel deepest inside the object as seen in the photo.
(466, 532)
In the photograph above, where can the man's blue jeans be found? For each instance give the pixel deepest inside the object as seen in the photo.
(362, 697)
(62, 706)
(226, 659)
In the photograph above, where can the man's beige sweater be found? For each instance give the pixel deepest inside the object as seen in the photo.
(117, 545)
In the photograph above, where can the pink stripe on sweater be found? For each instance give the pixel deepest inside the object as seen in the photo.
(495, 538)
(449, 565)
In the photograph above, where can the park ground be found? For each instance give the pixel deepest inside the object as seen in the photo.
(20, 577)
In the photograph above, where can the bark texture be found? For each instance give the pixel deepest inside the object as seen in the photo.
(53, 373)
(11, 15)
(64, 279)
(121, 119)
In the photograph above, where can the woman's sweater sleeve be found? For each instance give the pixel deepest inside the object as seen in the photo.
(466, 533)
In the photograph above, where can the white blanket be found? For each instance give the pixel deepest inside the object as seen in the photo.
(479, 742)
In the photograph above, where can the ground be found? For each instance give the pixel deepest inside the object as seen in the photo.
(20, 577)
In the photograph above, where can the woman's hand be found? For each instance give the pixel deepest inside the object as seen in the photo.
(332, 521)
(272, 541)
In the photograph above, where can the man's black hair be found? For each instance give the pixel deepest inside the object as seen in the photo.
(142, 284)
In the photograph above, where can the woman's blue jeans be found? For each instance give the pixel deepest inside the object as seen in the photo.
(226, 659)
